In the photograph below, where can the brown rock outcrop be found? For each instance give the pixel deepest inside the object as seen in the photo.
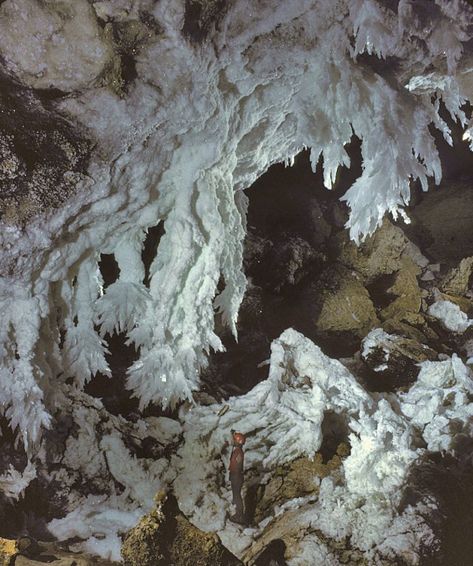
(343, 303)
(296, 479)
(441, 223)
(379, 254)
(8, 550)
(394, 360)
(457, 279)
(405, 289)
(165, 537)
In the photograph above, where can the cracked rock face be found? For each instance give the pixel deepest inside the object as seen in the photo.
(344, 302)
(299, 478)
(379, 255)
(444, 237)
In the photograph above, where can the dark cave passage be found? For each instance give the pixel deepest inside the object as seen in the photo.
(296, 256)
(445, 482)
(291, 219)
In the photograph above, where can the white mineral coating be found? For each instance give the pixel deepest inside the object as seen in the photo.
(378, 339)
(96, 455)
(450, 315)
(13, 483)
(198, 124)
(441, 395)
(282, 417)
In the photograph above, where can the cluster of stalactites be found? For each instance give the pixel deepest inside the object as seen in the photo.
(286, 78)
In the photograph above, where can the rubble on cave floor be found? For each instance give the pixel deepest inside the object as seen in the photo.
(165, 537)
(384, 342)
(326, 460)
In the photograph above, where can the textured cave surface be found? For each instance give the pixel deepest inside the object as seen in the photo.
(172, 266)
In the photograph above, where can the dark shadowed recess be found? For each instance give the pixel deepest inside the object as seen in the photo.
(442, 218)
(457, 159)
(128, 37)
(150, 248)
(201, 16)
(273, 554)
(112, 390)
(334, 431)
(291, 218)
(37, 505)
(11, 520)
(116, 398)
(446, 483)
(109, 269)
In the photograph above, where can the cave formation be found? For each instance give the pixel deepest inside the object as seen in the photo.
(251, 215)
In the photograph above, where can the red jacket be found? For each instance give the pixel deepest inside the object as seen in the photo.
(236, 461)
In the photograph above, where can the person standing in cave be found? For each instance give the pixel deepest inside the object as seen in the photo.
(236, 476)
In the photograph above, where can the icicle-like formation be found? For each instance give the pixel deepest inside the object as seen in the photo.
(199, 123)
(176, 328)
(83, 350)
(125, 301)
(21, 378)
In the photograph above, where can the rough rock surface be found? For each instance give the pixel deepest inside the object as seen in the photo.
(405, 291)
(411, 326)
(8, 550)
(394, 359)
(343, 304)
(43, 157)
(290, 261)
(67, 37)
(28, 552)
(447, 480)
(445, 237)
(357, 502)
(464, 302)
(380, 254)
(299, 478)
(165, 537)
(457, 280)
